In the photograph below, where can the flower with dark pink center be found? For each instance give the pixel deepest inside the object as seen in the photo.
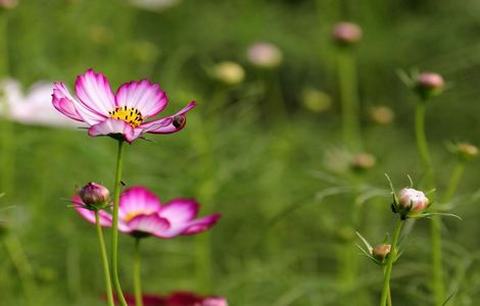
(124, 115)
(141, 214)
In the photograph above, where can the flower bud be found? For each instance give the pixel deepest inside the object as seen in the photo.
(94, 195)
(363, 161)
(381, 251)
(466, 151)
(315, 100)
(429, 84)
(229, 73)
(265, 55)
(346, 33)
(382, 115)
(214, 301)
(8, 4)
(411, 200)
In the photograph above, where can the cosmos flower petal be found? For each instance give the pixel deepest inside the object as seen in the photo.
(113, 127)
(201, 225)
(138, 200)
(180, 210)
(150, 224)
(64, 102)
(89, 215)
(95, 93)
(144, 96)
(170, 124)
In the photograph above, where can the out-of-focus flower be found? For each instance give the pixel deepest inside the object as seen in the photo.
(8, 4)
(429, 84)
(141, 215)
(382, 115)
(346, 33)
(100, 34)
(265, 55)
(381, 251)
(122, 115)
(363, 161)
(154, 5)
(315, 100)
(411, 200)
(465, 151)
(180, 298)
(31, 108)
(94, 195)
(229, 73)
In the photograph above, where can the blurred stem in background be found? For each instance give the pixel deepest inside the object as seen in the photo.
(104, 257)
(275, 104)
(348, 88)
(386, 295)
(438, 286)
(6, 126)
(137, 274)
(116, 201)
(20, 260)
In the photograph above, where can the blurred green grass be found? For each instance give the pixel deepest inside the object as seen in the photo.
(258, 168)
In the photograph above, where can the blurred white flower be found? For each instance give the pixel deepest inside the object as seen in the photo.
(265, 55)
(229, 73)
(154, 5)
(33, 107)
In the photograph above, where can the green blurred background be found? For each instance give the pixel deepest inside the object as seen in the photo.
(278, 239)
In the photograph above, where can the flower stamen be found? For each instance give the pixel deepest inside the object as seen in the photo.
(130, 115)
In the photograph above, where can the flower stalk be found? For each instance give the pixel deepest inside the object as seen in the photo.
(390, 261)
(106, 268)
(116, 201)
(137, 271)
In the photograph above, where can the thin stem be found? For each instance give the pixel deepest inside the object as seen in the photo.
(103, 254)
(137, 271)
(438, 285)
(116, 201)
(22, 265)
(454, 181)
(391, 258)
(347, 78)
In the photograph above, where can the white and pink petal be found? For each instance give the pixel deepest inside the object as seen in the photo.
(170, 124)
(93, 90)
(138, 200)
(89, 215)
(146, 97)
(110, 127)
(148, 224)
(201, 225)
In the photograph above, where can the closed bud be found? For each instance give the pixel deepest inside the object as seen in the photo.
(346, 33)
(265, 55)
(466, 151)
(229, 73)
(382, 115)
(315, 100)
(429, 84)
(363, 161)
(94, 195)
(381, 251)
(411, 200)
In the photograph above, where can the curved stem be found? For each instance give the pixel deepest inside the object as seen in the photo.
(137, 271)
(422, 144)
(391, 258)
(454, 181)
(116, 201)
(103, 254)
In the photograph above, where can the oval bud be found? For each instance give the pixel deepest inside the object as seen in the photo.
(381, 251)
(466, 151)
(265, 55)
(94, 195)
(347, 33)
(363, 161)
(382, 115)
(429, 84)
(229, 73)
(315, 100)
(412, 200)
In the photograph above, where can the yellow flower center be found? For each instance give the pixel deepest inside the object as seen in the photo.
(128, 114)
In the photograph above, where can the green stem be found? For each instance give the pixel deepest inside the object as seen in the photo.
(103, 254)
(454, 181)
(347, 78)
(116, 201)
(20, 261)
(391, 258)
(438, 285)
(137, 271)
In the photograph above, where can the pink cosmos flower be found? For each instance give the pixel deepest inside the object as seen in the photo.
(141, 215)
(121, 115)
(179, 298)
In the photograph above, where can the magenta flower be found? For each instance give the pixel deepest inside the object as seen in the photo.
(179, 298)
(122, 115)
(141, 215)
